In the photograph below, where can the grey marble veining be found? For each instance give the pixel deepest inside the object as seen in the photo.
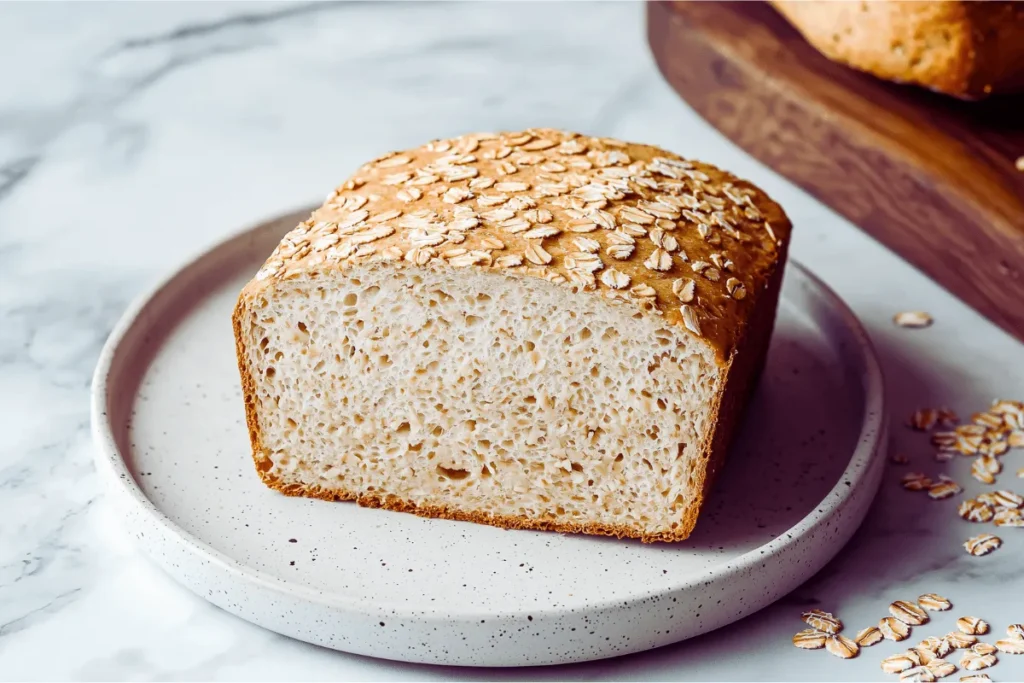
(131, 135)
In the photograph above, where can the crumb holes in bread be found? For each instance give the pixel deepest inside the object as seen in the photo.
(455, 474)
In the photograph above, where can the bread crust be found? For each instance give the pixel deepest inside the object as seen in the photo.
(738, 328)
(397, 504)
(965, 49)
(249, 397)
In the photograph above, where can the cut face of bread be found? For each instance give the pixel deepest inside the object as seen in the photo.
(502, 348)
(484, 393)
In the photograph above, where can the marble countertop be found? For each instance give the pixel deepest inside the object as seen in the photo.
(133, 134)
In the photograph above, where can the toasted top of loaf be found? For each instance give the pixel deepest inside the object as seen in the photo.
(680, 238)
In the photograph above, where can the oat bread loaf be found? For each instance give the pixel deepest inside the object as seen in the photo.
(532, 330)
(966, 49)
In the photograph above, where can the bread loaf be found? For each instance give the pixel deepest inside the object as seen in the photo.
(967, 49)
(532, 330)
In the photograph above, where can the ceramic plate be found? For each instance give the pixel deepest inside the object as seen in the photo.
(173, 448)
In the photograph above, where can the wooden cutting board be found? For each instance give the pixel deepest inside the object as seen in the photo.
(931, 177)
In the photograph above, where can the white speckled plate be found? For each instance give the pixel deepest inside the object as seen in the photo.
(172, 445)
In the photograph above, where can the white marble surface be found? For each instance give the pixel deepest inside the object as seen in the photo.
(133, 134)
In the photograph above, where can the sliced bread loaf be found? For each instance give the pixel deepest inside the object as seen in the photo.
(533, 330)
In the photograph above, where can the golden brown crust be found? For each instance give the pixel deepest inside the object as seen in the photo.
(503, 521)
(486, 200)
(965, 49)
(263, 463)
(745, 369)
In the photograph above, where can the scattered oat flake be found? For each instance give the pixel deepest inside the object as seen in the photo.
(841, 646)
(933, 602)
(984, 648)
(969, 444)
(940, 668)
(1003, 406)
(908, 612)
(988, 419)
(823, 621)
(1011, 646)
(972, 661)
(923, 654)
(975, 511)
(987, 463)
(932, 644)
(981, 474)
(970, 430)
(895, 664)
(915, 481)
(918, 674)
(867, 637)
(942, 646)
(943, 489)
(893, 629)
(960, 640)
(924, 419)
(1015, 630)
(810, 639)
(945, 440)
(993, 446)
(982, 544)
(912, 319)
(1008, 499)
(972, 626)
(975, 678)
(988, 498)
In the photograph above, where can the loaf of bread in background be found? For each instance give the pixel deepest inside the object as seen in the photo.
(966, 49)
(532, 330)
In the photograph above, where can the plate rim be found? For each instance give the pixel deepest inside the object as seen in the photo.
(111, 463)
